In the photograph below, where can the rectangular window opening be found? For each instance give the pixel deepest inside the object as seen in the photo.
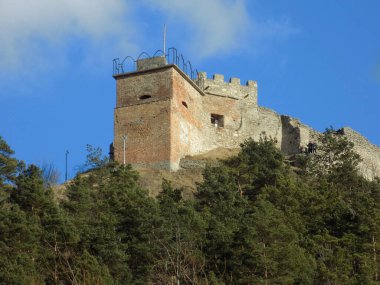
(217, 120)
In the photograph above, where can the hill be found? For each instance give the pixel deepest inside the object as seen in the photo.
(252, 219)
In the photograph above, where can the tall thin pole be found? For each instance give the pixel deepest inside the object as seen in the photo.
(124, 137)
(164, 39)
(67, 152)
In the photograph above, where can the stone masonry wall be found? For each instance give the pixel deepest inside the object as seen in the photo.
(233, 89)
(236, 103)
(370, 153)
(167, 116)
(269, 124)
(192, 129)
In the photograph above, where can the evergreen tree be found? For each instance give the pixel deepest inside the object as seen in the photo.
(180, 240)
(219, 201)
(258, 164)
(335, 158)
(8, 165)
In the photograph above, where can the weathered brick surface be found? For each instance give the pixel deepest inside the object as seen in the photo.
(130, 88)
(146, 122)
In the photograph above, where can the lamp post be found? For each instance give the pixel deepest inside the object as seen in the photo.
(67, 153)
(124, 137)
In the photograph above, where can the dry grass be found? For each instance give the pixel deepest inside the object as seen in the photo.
(186, 178)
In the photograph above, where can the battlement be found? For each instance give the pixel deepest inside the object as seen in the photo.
(232, 89)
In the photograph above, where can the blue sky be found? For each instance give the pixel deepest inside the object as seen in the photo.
(318, 61)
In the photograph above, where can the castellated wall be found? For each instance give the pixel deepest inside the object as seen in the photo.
(193, 131)
(166, 116)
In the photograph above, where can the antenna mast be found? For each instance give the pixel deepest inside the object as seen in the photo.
(164, 40)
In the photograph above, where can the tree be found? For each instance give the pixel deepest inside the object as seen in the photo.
(267, 249)
(97, 224)
(8, 164)
(95, 158)
(257, 165)
(179, 258)
(50, 174)
(19, 246)
(219, 202)
(335, 157)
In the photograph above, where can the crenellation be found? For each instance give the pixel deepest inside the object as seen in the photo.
(235, 81)
(251, 83)
(216, 86)
(218, 77)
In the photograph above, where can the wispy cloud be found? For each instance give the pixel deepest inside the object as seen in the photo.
(33, 30)
(214, 25)
(222, 26)
(271, 29)
(41, 33)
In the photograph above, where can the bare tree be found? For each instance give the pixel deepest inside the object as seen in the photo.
(50, 174)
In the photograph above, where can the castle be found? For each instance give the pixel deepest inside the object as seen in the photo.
(164, 114)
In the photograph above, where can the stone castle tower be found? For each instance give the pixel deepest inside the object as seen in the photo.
(165, 116)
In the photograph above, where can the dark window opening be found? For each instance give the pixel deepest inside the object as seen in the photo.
(184, 104)
(217, 120)
(311, 147)
(143, 97)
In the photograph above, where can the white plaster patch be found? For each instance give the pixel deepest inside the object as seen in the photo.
(184, 133)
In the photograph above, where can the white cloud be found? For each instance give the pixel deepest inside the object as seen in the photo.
(222, 26)
(274, 29)
(215, 25)
(33, 30)
(40, 34)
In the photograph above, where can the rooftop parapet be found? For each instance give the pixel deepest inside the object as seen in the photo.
(150, 63)
(159, 59)
(217, 86)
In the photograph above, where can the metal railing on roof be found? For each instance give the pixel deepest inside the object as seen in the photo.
(129, 64)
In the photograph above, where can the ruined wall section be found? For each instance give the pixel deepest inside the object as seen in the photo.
(290, 134)
(370, 153)
(269, 124)
(143, 114)
(296, 135)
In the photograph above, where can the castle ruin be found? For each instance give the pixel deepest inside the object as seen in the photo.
(163, 115)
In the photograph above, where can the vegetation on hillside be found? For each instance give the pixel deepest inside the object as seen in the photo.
(253, 220)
